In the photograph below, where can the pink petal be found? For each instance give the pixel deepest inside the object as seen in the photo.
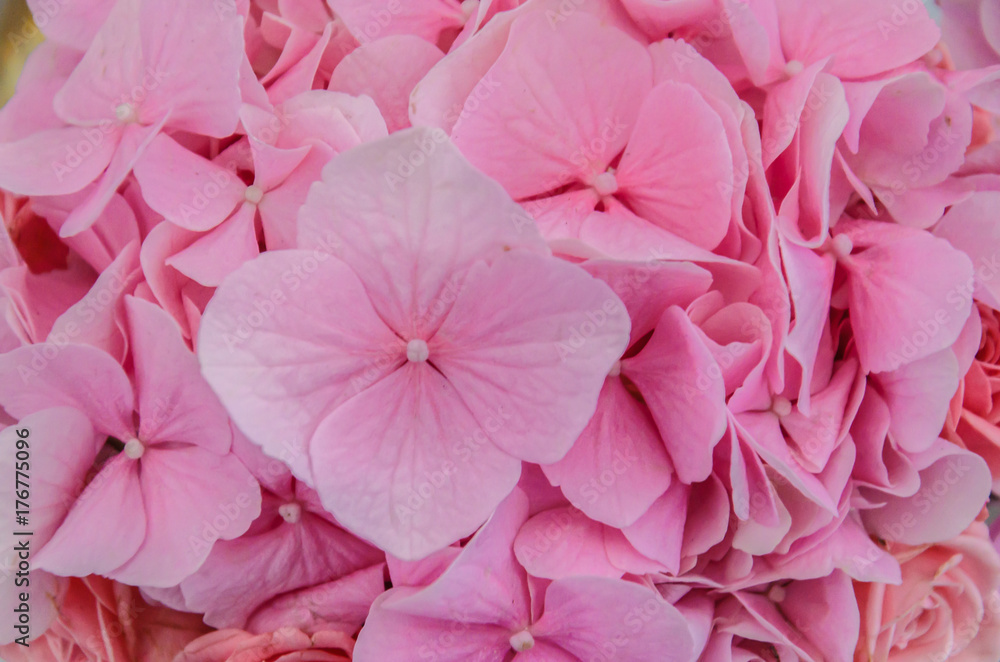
(558, 327)
(220, 251)
(187, 189)
(673, 373)
(969, 227)
(898, 314)
(56, 161)
(618, 466)
(77, 376)
(677, 164)
(175, 404)
(954, 486)
(392, 635)
(387, 70)
(192, 497)
(278, 398)
(484, 584)
(541, 124)
(99, 534)
(866, 37)
(584, 613)
(177, 41)
(431, 478)
(918, 394)
(422, 196)
(562, 542)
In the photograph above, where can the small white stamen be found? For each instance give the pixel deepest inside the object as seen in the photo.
(777, 593)
(134, 449)
(254, 194)
(793, 68)
(606, 183)
(522, 641)
(416, 351)
(781, 406)
(290, 512)
(126, 113)
(841, 246)
(616, 369)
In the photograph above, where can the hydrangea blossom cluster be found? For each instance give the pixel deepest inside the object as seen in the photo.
(541, 330)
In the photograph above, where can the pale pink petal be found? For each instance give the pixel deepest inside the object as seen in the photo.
(392, 635)
(220, 251)
(899, 314)
(56, 161)
(539, 360)
(918, 394)
(562, 542)
(969, 227)
(484, 584)
(432, 477)
(387, 70)
(278, 390)
(177, 40)
(421, 195)
(175, 404)
(77, 376)
(584, 613)
(954, 487)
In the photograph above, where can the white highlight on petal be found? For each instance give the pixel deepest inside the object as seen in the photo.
(522, 641)
(417, 351)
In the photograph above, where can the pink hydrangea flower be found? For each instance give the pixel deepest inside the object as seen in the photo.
(404, 252)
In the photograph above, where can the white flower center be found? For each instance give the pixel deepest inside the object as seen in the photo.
(253, 194)
(793, 68)
(126, 113)
(416, 351)
(781, 406)
(606, 183)
(841, 246)
(522, 641)
(290, 512)
(134, 449)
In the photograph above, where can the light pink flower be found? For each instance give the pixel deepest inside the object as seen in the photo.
(103, 621)
(484, 607)
(174, 455)
(283, 645)
(421, 287)
(141, 74)
(947, 608)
